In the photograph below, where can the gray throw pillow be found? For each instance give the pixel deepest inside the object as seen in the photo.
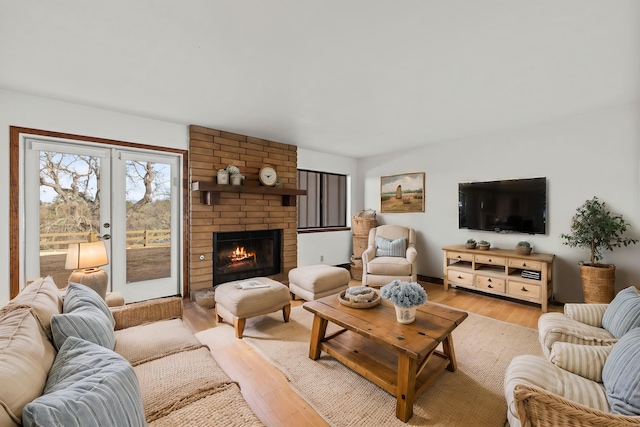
(87, 323)
(621, 375)
(623, 313)
(386, 247)
(78, 296)
(88, 385)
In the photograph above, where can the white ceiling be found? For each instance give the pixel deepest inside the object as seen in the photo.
(349, 77)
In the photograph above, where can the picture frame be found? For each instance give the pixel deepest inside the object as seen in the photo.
(402, 193)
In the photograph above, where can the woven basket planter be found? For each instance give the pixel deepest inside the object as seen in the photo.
(598, 283)
(523, 250)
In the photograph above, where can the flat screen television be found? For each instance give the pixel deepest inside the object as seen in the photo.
(517, 205)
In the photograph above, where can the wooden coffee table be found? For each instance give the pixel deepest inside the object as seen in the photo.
(402, 359)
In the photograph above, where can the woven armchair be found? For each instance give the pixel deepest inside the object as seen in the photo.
(539, 408)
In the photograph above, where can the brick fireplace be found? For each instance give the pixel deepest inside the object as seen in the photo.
(210, 150)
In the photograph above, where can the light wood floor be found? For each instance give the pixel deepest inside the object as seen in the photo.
(266, 389)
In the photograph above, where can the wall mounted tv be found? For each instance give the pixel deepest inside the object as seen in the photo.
(517, 205)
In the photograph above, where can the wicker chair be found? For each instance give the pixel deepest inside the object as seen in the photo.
(539, 408)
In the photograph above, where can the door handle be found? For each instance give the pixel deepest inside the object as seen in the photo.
(105, 236)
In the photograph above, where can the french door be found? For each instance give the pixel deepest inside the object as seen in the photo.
(78, 192)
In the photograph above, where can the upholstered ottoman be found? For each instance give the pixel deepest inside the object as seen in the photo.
(238, 300)
(317, 281)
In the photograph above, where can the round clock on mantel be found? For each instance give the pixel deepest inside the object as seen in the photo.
(268, 175)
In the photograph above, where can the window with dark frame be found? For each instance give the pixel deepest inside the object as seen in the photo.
(325, 204)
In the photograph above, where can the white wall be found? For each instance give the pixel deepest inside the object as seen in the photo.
(17, 109)
(595, 154)
(333, 247)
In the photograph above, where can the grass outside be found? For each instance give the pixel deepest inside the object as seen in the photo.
(142, 264)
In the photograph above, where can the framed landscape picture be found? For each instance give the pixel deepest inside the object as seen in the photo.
(402, 193)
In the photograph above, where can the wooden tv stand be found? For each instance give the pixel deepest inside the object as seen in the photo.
(499, 272)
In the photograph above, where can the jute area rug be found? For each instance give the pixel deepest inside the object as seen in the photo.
(471, 396)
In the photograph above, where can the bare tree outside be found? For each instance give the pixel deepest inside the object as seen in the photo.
(70, 213)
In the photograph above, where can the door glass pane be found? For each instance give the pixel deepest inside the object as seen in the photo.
(69, 208)
(148, 220)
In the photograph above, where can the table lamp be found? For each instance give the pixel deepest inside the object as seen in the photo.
(84, 258)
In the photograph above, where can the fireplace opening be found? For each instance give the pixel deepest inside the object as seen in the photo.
(244, 254)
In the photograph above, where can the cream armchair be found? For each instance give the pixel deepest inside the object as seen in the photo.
(390, 255)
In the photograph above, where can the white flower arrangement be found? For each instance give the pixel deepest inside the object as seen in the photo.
(404, 294)
(234, 170)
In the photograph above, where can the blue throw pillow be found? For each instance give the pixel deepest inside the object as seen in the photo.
(386, 247)
(88, 385)
(84, 315)
(621, 375)
(623, 313)
(78, 296)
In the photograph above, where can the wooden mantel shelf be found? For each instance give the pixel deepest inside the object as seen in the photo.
(211, 192)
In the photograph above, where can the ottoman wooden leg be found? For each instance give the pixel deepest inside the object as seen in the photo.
(238, 325)
(286, 311)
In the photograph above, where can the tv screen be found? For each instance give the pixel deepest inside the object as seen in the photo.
(517, 205)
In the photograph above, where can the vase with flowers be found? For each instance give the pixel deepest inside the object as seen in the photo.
(406, 297)
(234, 175)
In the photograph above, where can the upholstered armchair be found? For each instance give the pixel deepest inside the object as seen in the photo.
(590, 324)
(390, 255)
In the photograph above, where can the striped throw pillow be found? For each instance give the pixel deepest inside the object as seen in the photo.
(386, 247)
(88, 385)
(623, 314)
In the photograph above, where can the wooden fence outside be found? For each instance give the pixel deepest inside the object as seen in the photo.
(55, 242)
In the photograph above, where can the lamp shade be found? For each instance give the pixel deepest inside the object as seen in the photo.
(86, 255)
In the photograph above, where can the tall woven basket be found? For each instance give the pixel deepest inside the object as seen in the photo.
(598, 283)
(361, 226)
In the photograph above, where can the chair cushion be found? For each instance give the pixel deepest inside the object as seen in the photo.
(393, 248)
(621, 375)
(26, 356)
(584, 360)
(389, 266)
(88, 385)
(623, 313)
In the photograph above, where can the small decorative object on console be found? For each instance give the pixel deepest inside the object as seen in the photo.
(523, 248)
(471, 244)
(484, 245)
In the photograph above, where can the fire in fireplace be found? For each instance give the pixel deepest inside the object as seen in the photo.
(244, 254)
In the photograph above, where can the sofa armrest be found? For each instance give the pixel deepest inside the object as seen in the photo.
(538, 407)
(580, 359)
(590, 314)
(142, 312)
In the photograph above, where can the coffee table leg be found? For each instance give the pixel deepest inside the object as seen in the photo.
(317, 334)
(447, 347)
(406, 391)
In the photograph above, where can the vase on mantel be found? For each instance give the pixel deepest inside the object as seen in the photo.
(223, 176)
(236, 179)
(406, 315)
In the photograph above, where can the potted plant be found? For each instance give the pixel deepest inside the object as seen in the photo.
(471, 244)
(523, 248)
(594, 227)
(234, 175)
(406, 297)
(483, 245)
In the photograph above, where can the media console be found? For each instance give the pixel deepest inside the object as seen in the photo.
(500, 272)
